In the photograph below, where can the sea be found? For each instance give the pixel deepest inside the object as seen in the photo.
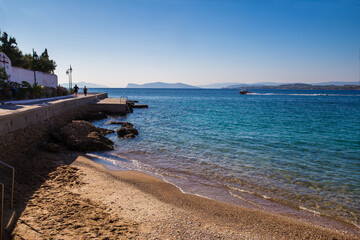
(292, 152)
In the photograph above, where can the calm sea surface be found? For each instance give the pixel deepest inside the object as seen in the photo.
(293, 148)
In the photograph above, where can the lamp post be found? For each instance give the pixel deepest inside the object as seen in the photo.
(68, 72)
(35, 58)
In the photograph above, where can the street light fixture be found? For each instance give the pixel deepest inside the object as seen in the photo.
(35, 58)
(68, 72)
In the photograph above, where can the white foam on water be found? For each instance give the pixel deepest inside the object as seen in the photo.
(245, 200)
(301, 94)
(309, 210)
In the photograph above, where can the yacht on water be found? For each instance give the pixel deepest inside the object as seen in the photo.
(244, 91)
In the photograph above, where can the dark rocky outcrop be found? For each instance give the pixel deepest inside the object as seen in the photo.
(55, 136)
(84, 136)
(127, 130)
(127, 125)
(26, 141)
(105, 131)
(115, 122)
(52, 147)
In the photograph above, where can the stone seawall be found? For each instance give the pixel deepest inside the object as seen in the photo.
(27, 118)
(22, 132)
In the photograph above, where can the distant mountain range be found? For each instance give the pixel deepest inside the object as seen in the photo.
(272, 85)
(337, 83)
(82, 84)
(302, 86)
(160, 85)
(265, 85)
(217, 85)
(241, 85)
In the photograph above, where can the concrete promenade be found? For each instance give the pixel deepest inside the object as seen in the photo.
(17, 116)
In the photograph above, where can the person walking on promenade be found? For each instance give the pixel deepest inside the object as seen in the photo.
(85, 90)
(76, 89)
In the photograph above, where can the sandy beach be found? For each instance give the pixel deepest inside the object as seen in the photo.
(68, 196)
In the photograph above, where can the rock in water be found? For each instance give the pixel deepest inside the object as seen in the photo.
(127, 125)
(116, 122)
(105, 131)
(127, 131)
(94, 141)
(81, 127)
(130, 135)
(84, 136)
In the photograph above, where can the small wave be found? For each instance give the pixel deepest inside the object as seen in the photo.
(136, 163)
(249, 192)
(309, 210)
(174, 175)
(240, 190)
(164, 179)
(103, 158)
(245, 200)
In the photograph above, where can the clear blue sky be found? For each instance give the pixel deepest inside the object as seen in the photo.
(191, 41)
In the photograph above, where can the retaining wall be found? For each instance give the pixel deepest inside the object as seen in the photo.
(27, 118)
(22, 133)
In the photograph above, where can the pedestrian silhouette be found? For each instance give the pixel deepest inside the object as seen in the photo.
(85, 90)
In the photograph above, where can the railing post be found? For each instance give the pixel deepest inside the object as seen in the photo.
(12, 184)
(12, 189)
(2, 210)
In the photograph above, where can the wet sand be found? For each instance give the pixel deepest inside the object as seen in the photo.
(76, 198)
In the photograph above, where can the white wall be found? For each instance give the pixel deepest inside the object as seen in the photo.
(20, 74)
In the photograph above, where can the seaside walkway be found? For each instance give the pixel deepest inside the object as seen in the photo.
(13, 107)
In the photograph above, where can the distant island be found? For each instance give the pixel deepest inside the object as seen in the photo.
(282, 85)
(259, 85)
(302, 86)
(160, 85)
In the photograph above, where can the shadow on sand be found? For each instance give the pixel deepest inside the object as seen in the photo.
(31, 173)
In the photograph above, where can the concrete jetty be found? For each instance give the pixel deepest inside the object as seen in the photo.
(111, 105)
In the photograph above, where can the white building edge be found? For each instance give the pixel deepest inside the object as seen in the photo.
(20, 74)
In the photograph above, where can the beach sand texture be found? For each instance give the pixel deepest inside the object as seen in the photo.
(67, 196)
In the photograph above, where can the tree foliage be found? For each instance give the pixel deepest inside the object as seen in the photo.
(3, 75)
(10, 48)
(8, 45)
(45, 64)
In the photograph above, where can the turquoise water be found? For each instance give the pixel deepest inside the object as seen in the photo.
(297, 148)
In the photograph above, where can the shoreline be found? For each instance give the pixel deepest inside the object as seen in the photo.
(159, 209)
(250, 201)
(240, 222)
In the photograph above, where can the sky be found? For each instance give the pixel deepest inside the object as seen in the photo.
(197, 42)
